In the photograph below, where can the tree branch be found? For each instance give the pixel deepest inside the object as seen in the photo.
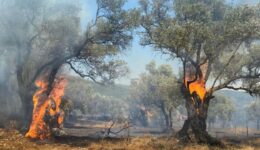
(234, 79)
(198, 54)
(208, 70)
(82, 74)
(240, 88)
(229, 61)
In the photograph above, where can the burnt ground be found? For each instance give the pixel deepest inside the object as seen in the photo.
(14, 140)
(90, 136)
(96, 129)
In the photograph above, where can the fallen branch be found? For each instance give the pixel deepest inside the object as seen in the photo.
(109, 131)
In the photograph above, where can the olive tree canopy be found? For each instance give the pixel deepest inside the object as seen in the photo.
(218, 45)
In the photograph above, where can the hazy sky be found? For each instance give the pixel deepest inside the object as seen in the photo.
(138, 56)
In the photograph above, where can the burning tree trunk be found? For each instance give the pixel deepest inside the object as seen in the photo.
(27, 107)
(197, 110)
(197, 100)
(34, 103)
(46, 111)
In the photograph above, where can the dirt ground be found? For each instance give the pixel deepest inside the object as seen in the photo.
(13, 140)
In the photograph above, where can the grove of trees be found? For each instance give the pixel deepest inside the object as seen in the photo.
(157, 88)
(217, 45)
(82, 99)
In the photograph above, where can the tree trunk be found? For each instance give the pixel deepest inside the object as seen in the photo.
(27, 90)
(25, 94)
(183, 133)
(166, 117)
(170, 118)
(197, 114)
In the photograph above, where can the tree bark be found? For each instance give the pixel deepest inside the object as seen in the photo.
(25, 94)
(27, 89)
(183, 133)
(170, 118)
(197, 114)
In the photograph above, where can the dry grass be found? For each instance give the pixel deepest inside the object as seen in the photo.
(13, 140)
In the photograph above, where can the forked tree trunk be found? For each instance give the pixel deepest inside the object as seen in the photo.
(196, 121)
(26, 92)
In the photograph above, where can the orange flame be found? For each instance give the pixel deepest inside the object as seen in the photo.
(43, 104)
(197, 86)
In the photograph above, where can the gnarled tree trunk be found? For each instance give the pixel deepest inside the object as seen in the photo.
(197, 114)
(27, 88)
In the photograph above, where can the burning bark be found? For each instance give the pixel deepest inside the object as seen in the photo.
(197, 99)
(195, 81)
(47, 112)
(195, 87)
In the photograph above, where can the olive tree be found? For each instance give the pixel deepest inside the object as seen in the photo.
(157, 88)
(217, 45)
(46, 36)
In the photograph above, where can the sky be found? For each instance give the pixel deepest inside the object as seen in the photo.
(136, 55)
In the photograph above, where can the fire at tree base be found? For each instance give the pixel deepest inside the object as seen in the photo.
(197, 99)
(47, 113)
(197, 110)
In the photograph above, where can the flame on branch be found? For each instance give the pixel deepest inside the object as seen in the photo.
(46, 106)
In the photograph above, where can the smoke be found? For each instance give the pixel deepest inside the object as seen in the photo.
(31, 33)
(10, 104)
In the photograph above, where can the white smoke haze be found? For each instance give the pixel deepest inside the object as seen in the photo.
(47, 30)
(37, 32)
(29, 27)
(10, 104)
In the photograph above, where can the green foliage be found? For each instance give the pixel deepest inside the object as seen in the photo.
(156, 86)
(157, 89)
(91, 99)
(206, 31)
(106, 35)
(46, 35)
(112, 90)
